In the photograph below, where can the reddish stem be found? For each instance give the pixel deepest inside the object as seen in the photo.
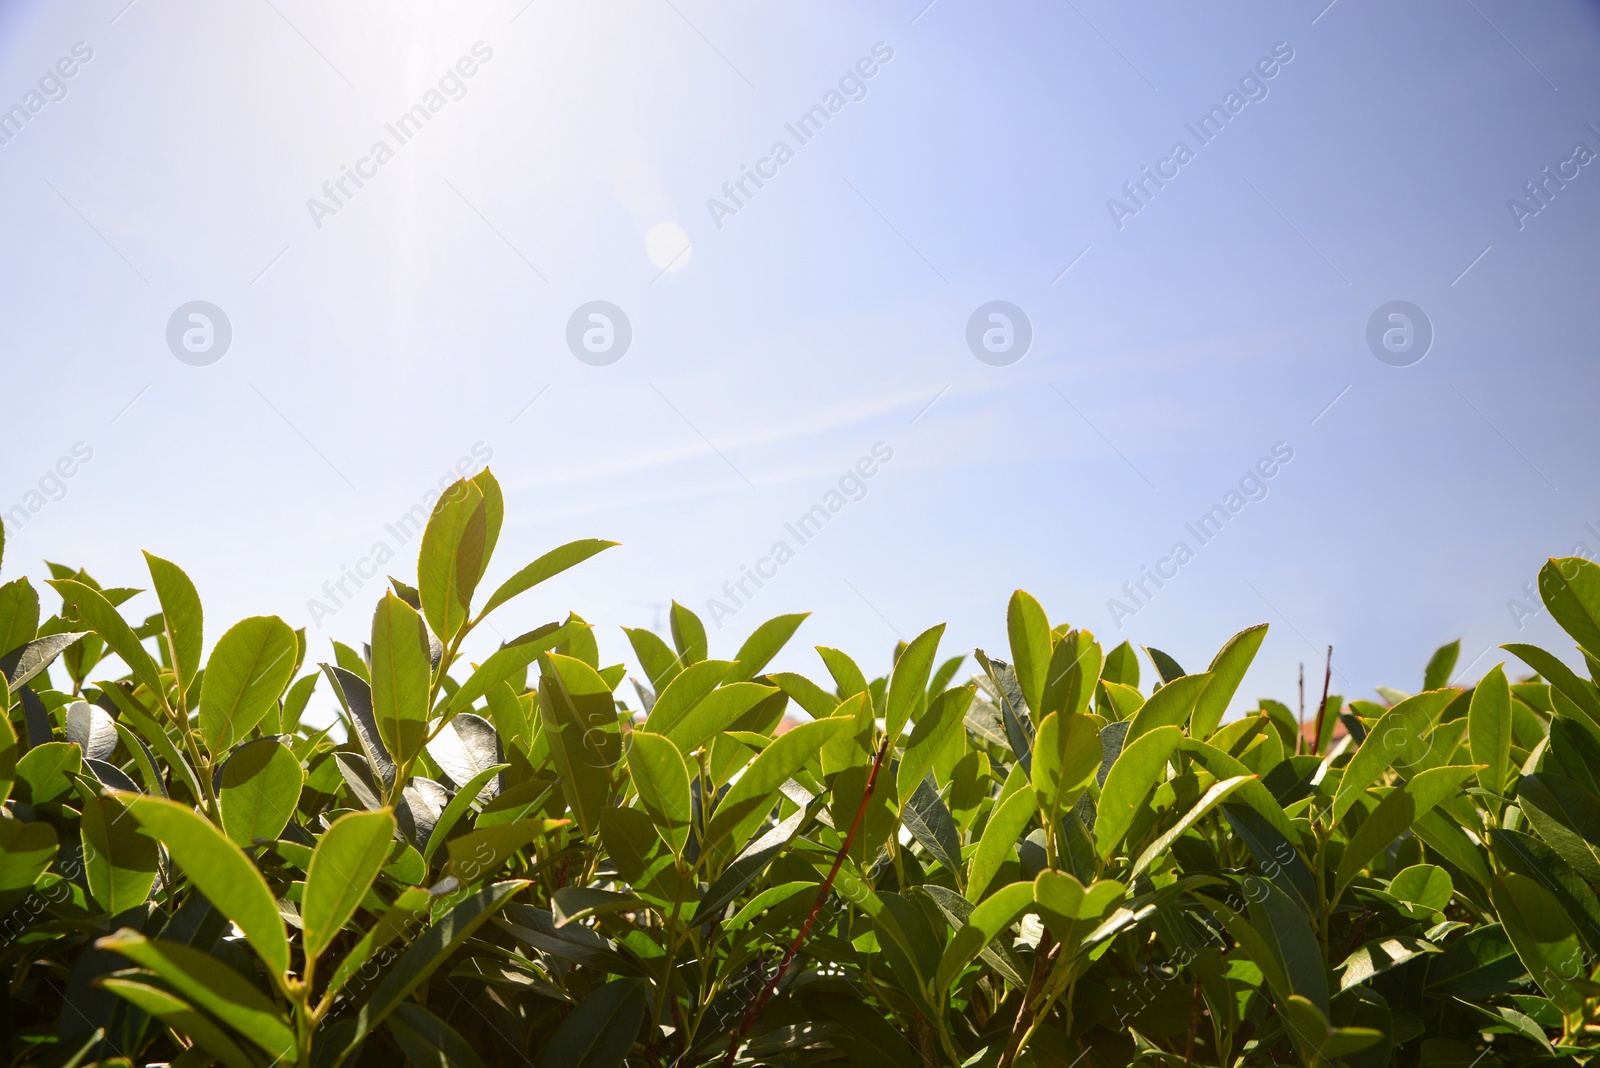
(1322, 709)
(771, 988)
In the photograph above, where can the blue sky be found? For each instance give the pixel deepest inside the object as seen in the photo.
(423, 323)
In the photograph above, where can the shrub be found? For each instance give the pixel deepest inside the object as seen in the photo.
(500, 863)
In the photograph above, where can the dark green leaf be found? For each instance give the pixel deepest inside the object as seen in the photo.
(218, 870)
(259, 789)
(600, 1031)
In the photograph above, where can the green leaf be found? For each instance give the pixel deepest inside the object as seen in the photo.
(511, 717)
(390, 926)
(1274, 854)
(999, 841)
(573, 904)
(580, 720)
(260, 789)
(1122, 666)
(931, 824)
(1069, 908)
(660, 663)
(478, 854)
(401, 675)
(1489, 730)
(180, 608)
(1394, 815)
(151, 732)
(295, 701)
(1208, 801)
(207, 983)
(452, 557)
(248, 670)
(45, 770)
(19, 614)
(662, 779)
(1254, 794)
(1544, 937)
(1169, 706)
(218, 870)
(1400, 737)
(346, 860)
(1066, 756)
(23, 663)
(428, 1041)
(1527, 855)
(1227, 671)
(1570, 589)
(1449, 841)
(715, 713)
(847, 677)
(91, 606)
(1029, 631)
(688, 688)
(767, 899)
(600, 1031)
(1133, 775)
(494, 513)
(763, 644)
(688, 634)
(909, 682)
(1166, 667)
(422, 957)
(745, 868)
(459, 806)
(939, 724)
(183, 1018)
(1379, 956)
(1014, 717)
(1426, 886)
(817, 702)
(119, 863)
(1562, 678)
(1318, 1041)
(1565, 815)
(748, 801)
(908, 944)
(547, 566)
(8, 747)
(93, 729)
(1286, 932)
(1074, 670)
(1440, 665)
(987, 921)
(27, 850)
(505, 662)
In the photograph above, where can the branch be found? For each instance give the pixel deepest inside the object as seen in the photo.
(760, 1003)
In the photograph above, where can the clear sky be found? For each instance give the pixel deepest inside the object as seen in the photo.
(1191, 313)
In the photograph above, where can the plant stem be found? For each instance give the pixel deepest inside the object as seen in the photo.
(1322, 709)
(816, 907)
(1043, 957)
